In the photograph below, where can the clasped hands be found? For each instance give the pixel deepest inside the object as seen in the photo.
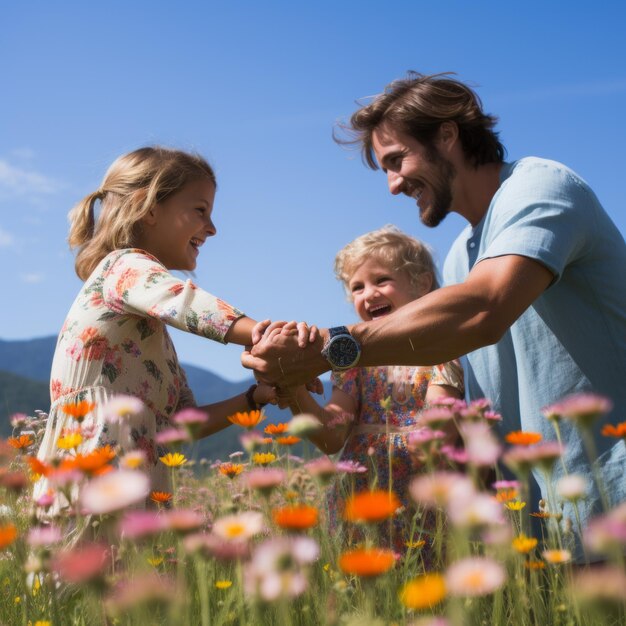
(284, 355)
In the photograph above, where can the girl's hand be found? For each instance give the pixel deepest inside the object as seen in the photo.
(306, 334)
(260, 328)
(265, 394)
(286, 396)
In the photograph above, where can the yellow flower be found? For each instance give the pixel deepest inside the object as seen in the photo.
(155, 561)
(524, 544)
(247, 420)
(515, 506)
(423, 592)
(69, 440)
(415, 544)
(42, 622)
(223, 584)
(263, 458)
(175, 459)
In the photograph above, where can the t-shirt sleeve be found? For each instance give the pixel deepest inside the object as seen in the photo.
(137, 284)
(542, 211)
(450, 374)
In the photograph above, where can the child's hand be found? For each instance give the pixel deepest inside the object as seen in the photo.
(287, 395)
(265, 394)
(315, 386)
(306, 334)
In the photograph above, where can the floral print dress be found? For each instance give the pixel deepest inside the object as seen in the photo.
(115, 341)
(388, 402)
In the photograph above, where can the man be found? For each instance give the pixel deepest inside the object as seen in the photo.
(535, 292)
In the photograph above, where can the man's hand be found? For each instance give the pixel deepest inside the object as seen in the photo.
(287, 354)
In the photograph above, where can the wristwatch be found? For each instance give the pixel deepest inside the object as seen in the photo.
(341, 350)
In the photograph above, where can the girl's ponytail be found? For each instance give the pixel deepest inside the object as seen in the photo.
(82, 220)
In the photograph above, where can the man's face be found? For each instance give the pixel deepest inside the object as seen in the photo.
(416, 170)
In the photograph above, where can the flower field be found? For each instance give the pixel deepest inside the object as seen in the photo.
(251, 540)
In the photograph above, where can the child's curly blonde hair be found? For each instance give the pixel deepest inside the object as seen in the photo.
(391, 247)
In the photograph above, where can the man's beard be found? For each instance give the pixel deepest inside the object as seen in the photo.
(442, 189)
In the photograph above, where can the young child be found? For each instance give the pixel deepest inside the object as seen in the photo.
(155, 215)
(372, 410)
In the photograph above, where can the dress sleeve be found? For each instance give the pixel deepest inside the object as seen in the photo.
(136, 283)
(450, 374)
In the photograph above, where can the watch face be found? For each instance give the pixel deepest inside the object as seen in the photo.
(343, 352)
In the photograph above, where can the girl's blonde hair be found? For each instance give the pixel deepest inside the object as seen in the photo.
(391, 247)
(134, 183)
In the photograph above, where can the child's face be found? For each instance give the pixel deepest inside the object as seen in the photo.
(377, 290)
(175, 229)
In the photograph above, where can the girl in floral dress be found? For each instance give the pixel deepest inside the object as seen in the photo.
(155, 215)
(372, 410)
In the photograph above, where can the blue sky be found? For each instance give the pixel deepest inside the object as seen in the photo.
(256, 87)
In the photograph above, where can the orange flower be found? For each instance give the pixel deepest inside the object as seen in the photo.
(534, 564)
(8, 534)
(366, 562)
(78, 410)
(423, 592)
(521, 438)
(371, 506)
(287, 441)
(96, 462)
(230, 469)
(21, 442)
(37, 466)
(297, 517)
(542, 514)
(160, 497)
(505, 495)
(276, 429)
(248, 419)
(617, 430)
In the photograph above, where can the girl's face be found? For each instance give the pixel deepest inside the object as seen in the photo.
(377, 290)
(176, 228)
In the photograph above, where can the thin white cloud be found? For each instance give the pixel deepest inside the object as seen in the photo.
(32, 278)
(6, 239)
(25, 154)
(17, 181)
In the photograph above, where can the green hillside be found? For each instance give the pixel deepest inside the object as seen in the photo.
(20, 395)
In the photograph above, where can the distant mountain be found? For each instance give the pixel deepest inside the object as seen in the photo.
(20, 395)
(24, 375)
(30, 358)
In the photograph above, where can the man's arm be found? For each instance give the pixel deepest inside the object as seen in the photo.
(438, 327)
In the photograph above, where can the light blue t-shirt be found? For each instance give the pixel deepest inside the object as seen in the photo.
(573, 338)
